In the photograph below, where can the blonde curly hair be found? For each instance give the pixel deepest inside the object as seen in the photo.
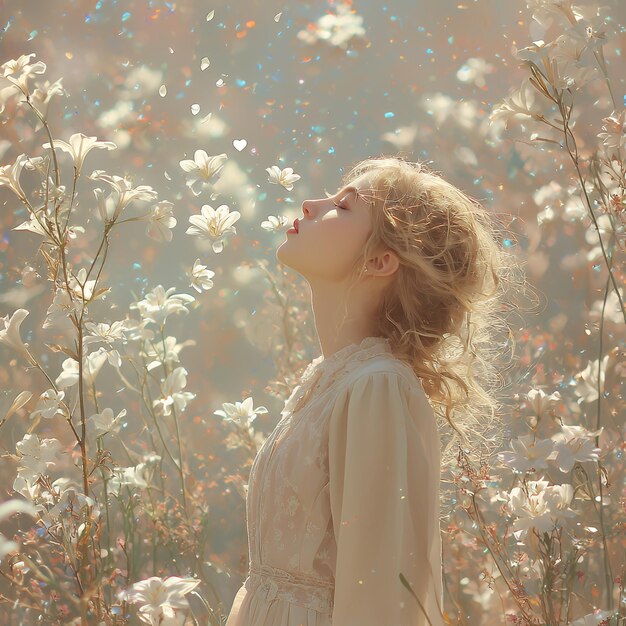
(442, 312)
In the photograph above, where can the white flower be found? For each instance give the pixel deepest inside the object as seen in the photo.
(589, 34)
(35, 458)
(474, 70)
(612, 310)
(106, 205)
(10, 330)
(55, 192)
(142, 82)
(103, 423)
(607, 231)
(69, 376)
(13, 67)
(337, 28)
(160, 222)
(19, 71)
(284, 177)
(59, 311)
(171, 393)
(614, 135)
(201, 277)
(43, 92)
(6, 93)
(79, 146)
(33, 225)
(158, 304)
(240, 413)
(527, 454)
(548, 197)
(39, 163)
(49, 404)
(159, 598)
(587, 380)
(93, 362)
(540, 402)
(574, 57)
(10, 176)
(401, 138)
(124, 193)
(128, 477)
(82, 287)
(531, 512)
(66, 496)
(545, 10)
(213, 224)
(166, 352)
(8, 508)
(573, 444)
(518, 105)
(560, 497)
(104, 332)
(539, 53)
(275, 224)
(540, 508)
(439, 105)
(202, 168)
(570, 50)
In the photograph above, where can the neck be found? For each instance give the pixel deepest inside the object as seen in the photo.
(329, 310)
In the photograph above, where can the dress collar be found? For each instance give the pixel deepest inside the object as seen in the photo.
(347, 351)
(322, 372)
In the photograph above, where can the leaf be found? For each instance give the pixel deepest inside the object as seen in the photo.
(535, 83)
(18, 403)
(558, 143)
(99, 292)
(55, 347)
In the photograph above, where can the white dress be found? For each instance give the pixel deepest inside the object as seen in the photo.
(343, 496)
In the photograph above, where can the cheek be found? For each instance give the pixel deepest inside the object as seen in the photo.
(339, 245)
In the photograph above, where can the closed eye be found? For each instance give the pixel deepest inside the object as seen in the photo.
(330, 195)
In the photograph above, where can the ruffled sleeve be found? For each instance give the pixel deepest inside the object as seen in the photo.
(384, 495)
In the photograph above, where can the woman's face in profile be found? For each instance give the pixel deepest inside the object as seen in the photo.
(331, 234)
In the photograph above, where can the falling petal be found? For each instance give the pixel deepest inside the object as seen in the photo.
(162, 91)
(210, 15)
(204, 63)
(195, 109)
(277, 17)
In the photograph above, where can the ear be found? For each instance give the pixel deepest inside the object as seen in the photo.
(386, 264)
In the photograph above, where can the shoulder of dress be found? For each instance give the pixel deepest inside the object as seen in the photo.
(386, 364)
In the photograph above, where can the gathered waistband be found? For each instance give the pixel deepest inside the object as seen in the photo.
(307, 591)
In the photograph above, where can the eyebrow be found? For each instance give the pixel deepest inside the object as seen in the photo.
(348, 189)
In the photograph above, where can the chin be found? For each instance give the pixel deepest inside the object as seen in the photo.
(278, 255)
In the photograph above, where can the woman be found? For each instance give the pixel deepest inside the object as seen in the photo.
(343, 498)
